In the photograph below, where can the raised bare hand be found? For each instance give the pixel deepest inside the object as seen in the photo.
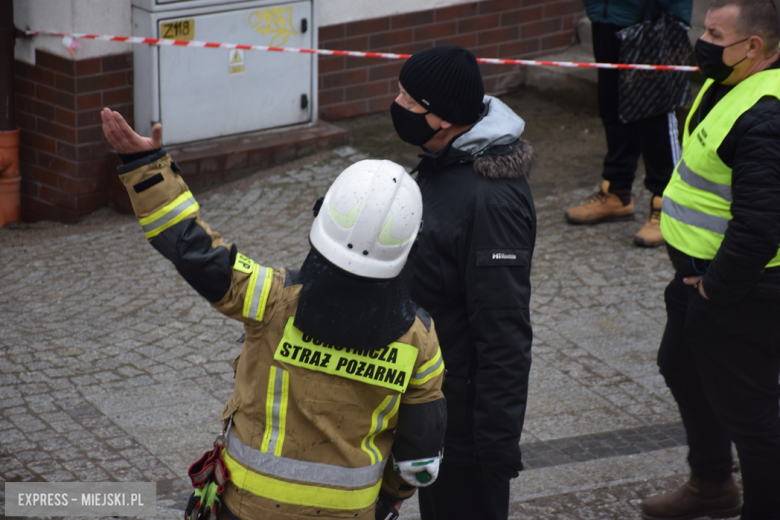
(123, 138)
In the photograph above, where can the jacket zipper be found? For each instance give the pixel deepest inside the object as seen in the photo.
(606, 3)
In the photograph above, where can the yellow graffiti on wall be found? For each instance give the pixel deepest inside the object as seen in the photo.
(276, 21)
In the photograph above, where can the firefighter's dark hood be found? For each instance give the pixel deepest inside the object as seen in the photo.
(351, 311)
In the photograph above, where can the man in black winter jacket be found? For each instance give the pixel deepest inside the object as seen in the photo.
(471, 272)
(720, 353)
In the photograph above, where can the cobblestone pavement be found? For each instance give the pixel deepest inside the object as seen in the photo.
(113, 369)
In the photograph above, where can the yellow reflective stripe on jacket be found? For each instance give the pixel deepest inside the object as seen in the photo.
(257, 291)
(299, 494)
(380, 420)
(389, 367)
(276, 411)
(429, 370)
(182, 207)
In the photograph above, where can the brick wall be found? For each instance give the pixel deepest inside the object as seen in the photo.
(489, 28)
(63, 155)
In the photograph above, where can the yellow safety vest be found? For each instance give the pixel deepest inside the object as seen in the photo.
(697, 201)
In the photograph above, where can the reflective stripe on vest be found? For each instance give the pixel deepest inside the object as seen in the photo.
(172, 213)
(263, 479)
(694, 217)
(429, 370)
(380, 420)
(276, 411)
(696, 210)
(697, 181)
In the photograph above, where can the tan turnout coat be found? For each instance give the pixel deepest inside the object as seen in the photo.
(311, 424)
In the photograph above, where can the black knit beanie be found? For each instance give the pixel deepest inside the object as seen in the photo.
(445, 80)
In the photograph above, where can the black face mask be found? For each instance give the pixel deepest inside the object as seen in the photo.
(411, 127)
(710, 59)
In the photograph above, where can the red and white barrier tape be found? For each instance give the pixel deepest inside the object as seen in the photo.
(324, 52)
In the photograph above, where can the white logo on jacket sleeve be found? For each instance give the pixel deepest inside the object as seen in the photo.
(504, 256)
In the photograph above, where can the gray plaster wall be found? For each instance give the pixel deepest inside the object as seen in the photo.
(72, 16)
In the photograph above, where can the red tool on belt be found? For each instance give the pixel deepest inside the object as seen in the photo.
(209, 474)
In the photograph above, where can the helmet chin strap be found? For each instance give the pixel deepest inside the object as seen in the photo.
(317, 206)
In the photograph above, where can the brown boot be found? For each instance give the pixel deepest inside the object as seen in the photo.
(695, 499)
(603, 207)
(650, 234)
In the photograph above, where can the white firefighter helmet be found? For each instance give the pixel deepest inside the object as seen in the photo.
(369, 219)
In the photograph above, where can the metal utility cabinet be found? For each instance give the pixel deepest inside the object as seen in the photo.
(202, 93)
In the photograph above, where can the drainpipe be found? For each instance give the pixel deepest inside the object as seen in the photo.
(10, 180)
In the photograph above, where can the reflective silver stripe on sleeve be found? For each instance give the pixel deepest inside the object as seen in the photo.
(257, 292)
(302, 471)
(277, 410)
(692, 178)
(694, 217)
(172, 214)
(429, 370)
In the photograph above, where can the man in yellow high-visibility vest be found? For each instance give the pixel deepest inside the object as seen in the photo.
(720, 353)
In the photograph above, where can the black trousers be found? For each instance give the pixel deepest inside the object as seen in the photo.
(655, 138)
(722, 364)
(463, 492)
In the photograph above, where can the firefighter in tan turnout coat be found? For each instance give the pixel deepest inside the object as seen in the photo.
(338, 386)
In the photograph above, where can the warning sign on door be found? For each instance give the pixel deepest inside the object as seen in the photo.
(236, 62)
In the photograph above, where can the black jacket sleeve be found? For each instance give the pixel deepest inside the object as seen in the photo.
(753, 235)
(496, 254)
(420, 430)
(188, 245)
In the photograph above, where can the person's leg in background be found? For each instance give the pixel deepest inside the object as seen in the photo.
(614, 201)
(661, 151)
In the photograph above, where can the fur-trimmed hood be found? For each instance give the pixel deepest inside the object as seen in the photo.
(493, 144)
(515, 160)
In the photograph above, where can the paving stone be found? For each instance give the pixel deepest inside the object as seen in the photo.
(27, 423)
(8, 379)
(88, 472)
(11, 402)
